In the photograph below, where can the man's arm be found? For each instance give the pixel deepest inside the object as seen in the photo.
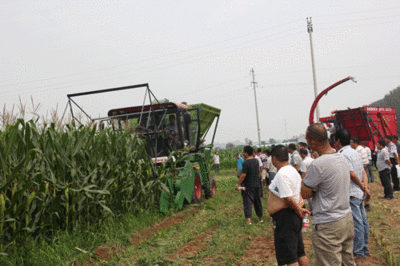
(303, 174)
(293, 204)
(241, 179)
(356, 180)
(365, 182)
(306, 192)
(396, 156)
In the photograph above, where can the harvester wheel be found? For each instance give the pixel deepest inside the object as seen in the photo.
(212, 189)
(196, 194)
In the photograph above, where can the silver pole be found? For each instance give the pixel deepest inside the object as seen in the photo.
(255, 98)
(310, 30)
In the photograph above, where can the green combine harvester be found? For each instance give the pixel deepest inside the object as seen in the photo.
(169, 127)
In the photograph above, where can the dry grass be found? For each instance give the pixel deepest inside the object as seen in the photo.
(31, 112)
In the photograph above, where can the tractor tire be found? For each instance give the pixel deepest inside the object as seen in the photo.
(213, 186)
(197, 193)
(212, 190)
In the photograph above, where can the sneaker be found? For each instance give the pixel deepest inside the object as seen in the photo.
(249, 223)
(262, 221)
(367, 208)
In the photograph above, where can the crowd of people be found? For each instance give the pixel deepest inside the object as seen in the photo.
(326, 178)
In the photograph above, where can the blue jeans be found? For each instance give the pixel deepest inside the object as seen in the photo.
(361, 227)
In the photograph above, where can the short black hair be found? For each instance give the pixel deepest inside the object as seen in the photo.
(382, 142)
(303, 144)
(292, 146)
(259, 150)
(268, 152)
(355, 140)
(363, 143)
(280, 152)
(388, 137)
(343, 136)
(303, 151)
(248, 149)
(317, 132)
(395, 137)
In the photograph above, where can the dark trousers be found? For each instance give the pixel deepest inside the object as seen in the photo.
(395, 179)
(252, 196)
(370, 175)
(217, 168)
(387, 185)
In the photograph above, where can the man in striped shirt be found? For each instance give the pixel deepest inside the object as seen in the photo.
(394, 159)
(355, 161)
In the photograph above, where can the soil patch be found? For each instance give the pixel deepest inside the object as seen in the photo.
(260, 252)
(188, 251)
(149, 232)
(105, 252)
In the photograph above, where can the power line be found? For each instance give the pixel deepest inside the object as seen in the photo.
(158, 57)
(356, 20)
(151, 70)
(195, 48)
(359, 12)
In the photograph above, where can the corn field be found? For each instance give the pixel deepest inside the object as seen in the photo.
(52, 179)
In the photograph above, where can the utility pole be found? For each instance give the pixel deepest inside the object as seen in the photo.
(310, 30)
(255, 98)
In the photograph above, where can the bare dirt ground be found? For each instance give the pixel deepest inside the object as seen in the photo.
(190, 250)
(105, 252)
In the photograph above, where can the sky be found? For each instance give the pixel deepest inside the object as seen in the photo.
(201, 52)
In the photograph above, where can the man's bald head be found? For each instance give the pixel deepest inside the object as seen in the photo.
(317, 132)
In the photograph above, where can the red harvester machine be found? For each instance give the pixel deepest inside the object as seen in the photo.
(368, 123)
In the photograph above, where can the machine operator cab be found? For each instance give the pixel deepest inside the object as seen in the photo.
(165, 126)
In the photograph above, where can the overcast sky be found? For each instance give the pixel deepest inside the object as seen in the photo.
(202, 52)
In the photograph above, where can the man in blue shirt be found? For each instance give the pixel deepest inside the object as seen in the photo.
(239, 167)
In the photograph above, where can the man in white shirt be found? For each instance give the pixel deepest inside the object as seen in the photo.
(295, 159)
(384, 165)
(394, 159)
(271, 169)
(263, 157)
(355, 144)
(307, 160)
(368, 169)
(284, 205)
(216, 162)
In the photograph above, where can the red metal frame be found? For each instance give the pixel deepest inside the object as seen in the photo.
(368, 123)
(324, 92)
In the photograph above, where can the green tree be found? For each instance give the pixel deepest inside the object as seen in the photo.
(392, 99)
